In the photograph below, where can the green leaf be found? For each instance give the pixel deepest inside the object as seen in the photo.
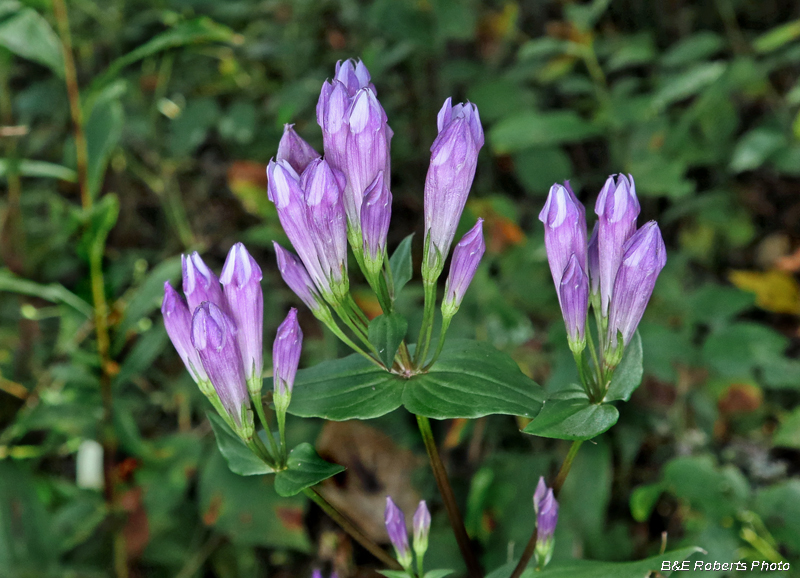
(596, 569)
(240, 459)
(569, 415)
(699, 46)
(644, 499)
(54, 292)
(401, 265)
(103, 132)
(101, 219)
(31, 168)
(755, 147)
(29, 35)
(386, 332)
(628, 374)
(777, 37)
(394, 573)
(788, 434)
(470, 379)
(304, 469)
(539, 129)
(438, 573)
(687, 83)
(197, 31)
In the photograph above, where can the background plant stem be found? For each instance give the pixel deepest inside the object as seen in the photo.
(442, 481)
(563, 472)
(352, 529)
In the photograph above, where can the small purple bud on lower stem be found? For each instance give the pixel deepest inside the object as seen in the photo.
(376, 213)
(422, 527)
(546, 520)
(466, 258)
(214, 337)
(539, 494)
(178, 322)
(316, 573)
(564, 230)
(454, 158)
(294, 150)
(643, 258)
(395, 522)
(241, 280)
(200, 283)
(285, 358)
(617, 209)
(573, 295)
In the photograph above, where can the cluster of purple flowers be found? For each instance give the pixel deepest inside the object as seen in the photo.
(615, 269)
(395, 521)
(324, 203)
(217, 329)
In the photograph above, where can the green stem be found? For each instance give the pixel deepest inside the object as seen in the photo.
(352, 529)
(440, 345)
(563, 472)
(262, 417)
(443, 482)
(425, 331)
(282, 432)
(420, 571)
(598, 395)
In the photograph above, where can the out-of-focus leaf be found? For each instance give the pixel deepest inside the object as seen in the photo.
(197, 31)
(43, 169)
(190, 128)
(632, 51)
(658, 175)
(147, 349)
(788, 433)
(717, 303)
(718, 492)
(29, 35)
(241, 460)
(644, 499)
(699, 46)
(755, 147)
(540, 167)
(103, 131)
(304, 468)
(775, 291)
(734, 351)
(538, 129)
(101, 219)
(688, 83)
(54, 292)
(777, 37)
(628, 374)
(239, 122)
(779, 506)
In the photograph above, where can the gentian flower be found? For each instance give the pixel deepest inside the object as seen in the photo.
(294, 150)
(376, 212)
(454, 158)
(395, 522)
(466, 258)
(564, 219)
(422, 527)
(546, 508)
(285, 359)
(573, 296)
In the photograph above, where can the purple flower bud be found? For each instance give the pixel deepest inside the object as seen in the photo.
(214, 337)
(617, 208)
(573, 296)
(564, 219)
(311, 213)
(454, 158)
(593, 258)
(332, 107)
(354, 75)
(178, 322)
(367, 153)
(396, 528)
(293, 149)
(466, 258)
(316, 573)
(644, 255)
(241, 279)
(547, 517)
(422, 527)
(286, 354)
(539, 494)
(296, 277)
(200, 283)
(376, 212)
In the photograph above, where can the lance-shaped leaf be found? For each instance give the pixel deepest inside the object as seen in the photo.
(304, 469)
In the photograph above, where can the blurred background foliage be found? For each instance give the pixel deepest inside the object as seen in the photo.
(183, 104)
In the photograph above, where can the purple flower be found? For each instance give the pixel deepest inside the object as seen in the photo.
(296, 277)
(332, 106)
(200, 283)
(454, 158)
(316, 573)
(286, 354)
(643, 257)
(573, 296)
(376, 212)
(422, 527)
(593, 262)
(466, 258)
(214, 338)
(294, 150)
(354, 75)
(311, 213)
(617, 209)
(178, 322)
(546, 508)
(564, 219)
(241, 279)
(396, 528)
(539, 494)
